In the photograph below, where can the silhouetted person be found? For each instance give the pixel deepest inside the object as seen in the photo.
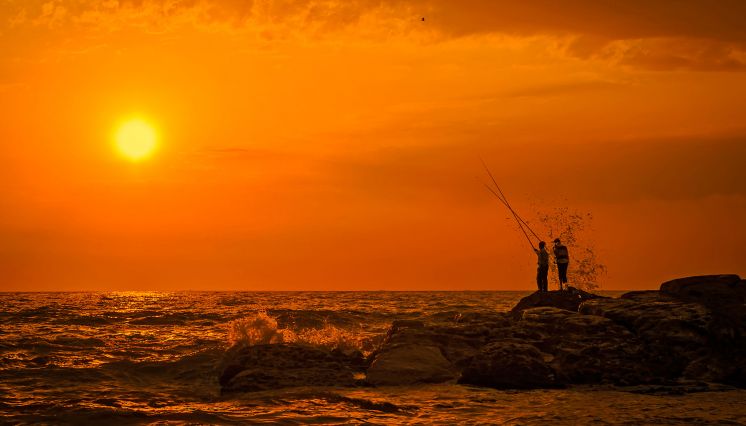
(562, 257)
(543, 270)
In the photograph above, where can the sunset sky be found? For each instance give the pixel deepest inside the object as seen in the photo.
(335, 144)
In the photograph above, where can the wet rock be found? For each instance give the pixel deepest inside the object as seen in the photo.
(679, 339)
(568, 299)
(725, 296)
(674, 333)
(276, 366)
(509, 365)
(585, 348)
(719, 368)
(573, 337)
(457, 341)
(409, 364)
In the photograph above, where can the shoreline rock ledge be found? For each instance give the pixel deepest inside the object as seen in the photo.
(690, 334)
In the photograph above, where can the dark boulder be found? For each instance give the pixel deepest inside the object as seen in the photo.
(509, 365)
(724, 295)
(458, 340)
(585, 348)
(647, 296)
(276, 366)
(414, 352)
(675, 333)
(719, 368)
(410, 364)
(568, 299)
(710, 290)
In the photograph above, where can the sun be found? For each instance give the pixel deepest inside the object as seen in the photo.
(136, 139)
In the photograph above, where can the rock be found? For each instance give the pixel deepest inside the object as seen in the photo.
(568, 299)
(724, 295)
(585, 348)
(402, 324)
(682, 338)
(458, 340)
(647, 296)
(276, 366)
(709, 290)
(674, 333)
(509, 365)
(718, 368)
(409, 364)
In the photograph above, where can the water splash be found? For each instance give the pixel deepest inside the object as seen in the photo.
(261, 328)
(257, 329)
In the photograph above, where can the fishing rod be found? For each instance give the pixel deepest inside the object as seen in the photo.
(523, 222)
(517, 218)
(504, 200)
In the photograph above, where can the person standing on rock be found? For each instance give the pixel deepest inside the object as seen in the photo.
(562, 257)
(543, 270)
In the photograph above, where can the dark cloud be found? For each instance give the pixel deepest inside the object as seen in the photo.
(612, 20)
(664, 34)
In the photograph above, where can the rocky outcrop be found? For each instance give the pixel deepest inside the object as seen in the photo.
(568, 299)
(690, 332)
(709, 290)
(667, 328)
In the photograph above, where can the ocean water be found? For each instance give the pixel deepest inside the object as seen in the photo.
(151, 358)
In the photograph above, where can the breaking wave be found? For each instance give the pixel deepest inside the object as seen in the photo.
(261, 328)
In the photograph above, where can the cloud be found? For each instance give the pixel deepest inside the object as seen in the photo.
(672, 54)
(655, 35)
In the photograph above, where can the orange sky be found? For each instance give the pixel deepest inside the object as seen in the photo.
(331, 145)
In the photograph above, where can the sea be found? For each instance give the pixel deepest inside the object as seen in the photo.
(152, 358)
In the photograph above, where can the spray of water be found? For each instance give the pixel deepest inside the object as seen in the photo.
(261, 328)
(575, 230)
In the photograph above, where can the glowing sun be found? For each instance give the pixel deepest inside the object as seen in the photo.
(136, 139)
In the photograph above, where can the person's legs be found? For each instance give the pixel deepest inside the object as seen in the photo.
(545, 279)
(562, 267)
(541, 278)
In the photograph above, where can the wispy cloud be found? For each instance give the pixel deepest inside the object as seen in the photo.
(660, 35)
